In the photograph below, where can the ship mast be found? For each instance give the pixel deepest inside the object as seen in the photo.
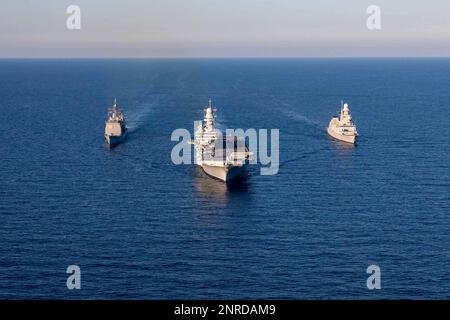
(115, 105)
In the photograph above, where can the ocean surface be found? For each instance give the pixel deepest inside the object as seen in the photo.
(140, 227)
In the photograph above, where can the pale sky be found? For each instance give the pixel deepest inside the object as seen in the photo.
(224, 28)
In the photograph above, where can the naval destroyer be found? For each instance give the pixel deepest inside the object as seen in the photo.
(342, 126)
(116, 128)
(211, 151)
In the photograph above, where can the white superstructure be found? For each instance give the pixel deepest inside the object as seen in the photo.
(212, 154)
(342, 127)
(115, 128)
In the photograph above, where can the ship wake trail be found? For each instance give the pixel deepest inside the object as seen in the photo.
(296, 116)
(286, 109)
(137, 117)
(303, 156)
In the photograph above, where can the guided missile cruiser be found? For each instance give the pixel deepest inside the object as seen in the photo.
(223, 158)
(115, 129)
(342, 126)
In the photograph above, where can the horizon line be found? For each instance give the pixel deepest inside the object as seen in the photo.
(217, 57)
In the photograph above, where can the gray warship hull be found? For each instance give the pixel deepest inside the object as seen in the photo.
(115, 140)
(337, 135)
(225, 173)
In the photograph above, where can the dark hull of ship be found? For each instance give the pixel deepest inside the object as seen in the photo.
(112, 141)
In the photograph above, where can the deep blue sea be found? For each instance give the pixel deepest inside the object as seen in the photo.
(141, 227)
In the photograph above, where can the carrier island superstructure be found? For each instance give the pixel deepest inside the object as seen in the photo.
(223, 158)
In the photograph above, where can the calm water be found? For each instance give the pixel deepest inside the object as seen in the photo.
(141, 227)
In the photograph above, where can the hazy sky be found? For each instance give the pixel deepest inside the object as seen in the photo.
(224, 28)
